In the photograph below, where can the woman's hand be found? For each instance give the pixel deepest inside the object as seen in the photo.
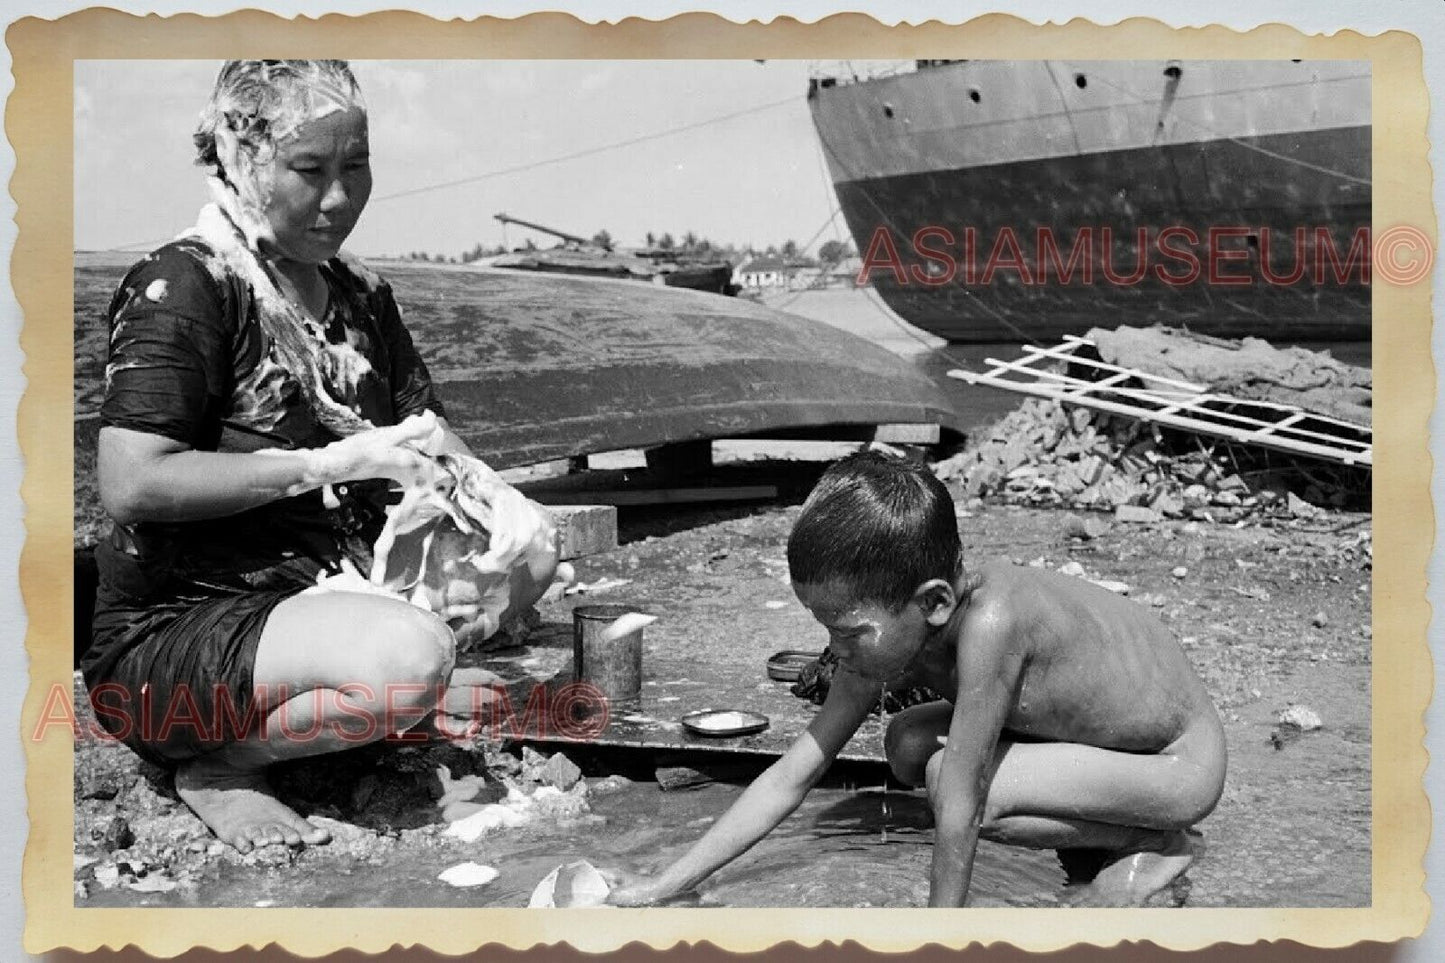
(400, 452)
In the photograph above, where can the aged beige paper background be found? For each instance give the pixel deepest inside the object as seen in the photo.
(39, 126)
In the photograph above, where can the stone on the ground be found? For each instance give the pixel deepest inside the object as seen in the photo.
(1298, 507)
(1300, 717)
(613, 783)
(102, 788)
(560, 772)
(1118, 588)
(1169, 505)
(1320, 620)
(1084, 528)
(1136, 515)
(532, 764)
(1179, 571)
(1072, 568)
(118, 835)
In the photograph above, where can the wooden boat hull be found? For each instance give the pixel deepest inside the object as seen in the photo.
(535, 367)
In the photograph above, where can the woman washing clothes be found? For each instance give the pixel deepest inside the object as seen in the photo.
(263, 401)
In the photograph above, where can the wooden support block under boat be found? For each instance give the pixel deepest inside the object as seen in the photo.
(585, 529)
(665, 496)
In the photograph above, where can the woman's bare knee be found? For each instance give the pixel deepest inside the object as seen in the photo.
(421, 649)
(361, 643)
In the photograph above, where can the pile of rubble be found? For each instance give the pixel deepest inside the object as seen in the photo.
(1044, 453)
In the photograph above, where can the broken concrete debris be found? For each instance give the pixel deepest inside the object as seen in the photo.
(1084, 528)
(560, 772)
(1215, 467)
(1044, 453)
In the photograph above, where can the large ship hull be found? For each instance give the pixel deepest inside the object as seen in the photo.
(1229, 198)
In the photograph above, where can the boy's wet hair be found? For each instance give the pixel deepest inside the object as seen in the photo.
(881, 525)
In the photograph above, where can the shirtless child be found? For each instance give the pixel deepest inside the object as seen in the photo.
(1077, 722)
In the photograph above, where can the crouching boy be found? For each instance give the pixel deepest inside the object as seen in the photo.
(1077, 723)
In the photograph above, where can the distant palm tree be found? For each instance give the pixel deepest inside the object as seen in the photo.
(833, 252)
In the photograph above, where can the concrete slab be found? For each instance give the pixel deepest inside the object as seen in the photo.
(536, 680)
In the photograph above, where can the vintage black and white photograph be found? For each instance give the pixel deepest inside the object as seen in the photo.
(723, 483)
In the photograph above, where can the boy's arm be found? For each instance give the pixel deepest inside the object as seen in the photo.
(988, 673)
(771, 797)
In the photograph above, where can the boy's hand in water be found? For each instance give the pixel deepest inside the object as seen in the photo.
(631, 889)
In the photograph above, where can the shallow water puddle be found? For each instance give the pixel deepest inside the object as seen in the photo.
(832, 852)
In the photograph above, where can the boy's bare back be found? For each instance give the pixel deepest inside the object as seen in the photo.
(1095, 667)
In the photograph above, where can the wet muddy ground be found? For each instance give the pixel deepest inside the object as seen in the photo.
(1270, 616)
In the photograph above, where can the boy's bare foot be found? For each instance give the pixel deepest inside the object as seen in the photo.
(1131, 878)
(240, 807)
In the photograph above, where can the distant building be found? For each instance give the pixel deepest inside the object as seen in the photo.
(767, 271)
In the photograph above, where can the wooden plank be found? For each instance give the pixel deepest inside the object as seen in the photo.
(1160, 397)
(1060, 354)
(1196, 403)
(908, 434)
(1201, 391)
(1276, 442)
(1171, 406)
(1113, 379)
(900, 433)
(659, 496)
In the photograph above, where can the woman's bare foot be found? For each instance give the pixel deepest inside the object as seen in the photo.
(240, 807)
(1131, 878)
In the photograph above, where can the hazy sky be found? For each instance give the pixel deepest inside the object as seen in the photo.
(758, 177)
